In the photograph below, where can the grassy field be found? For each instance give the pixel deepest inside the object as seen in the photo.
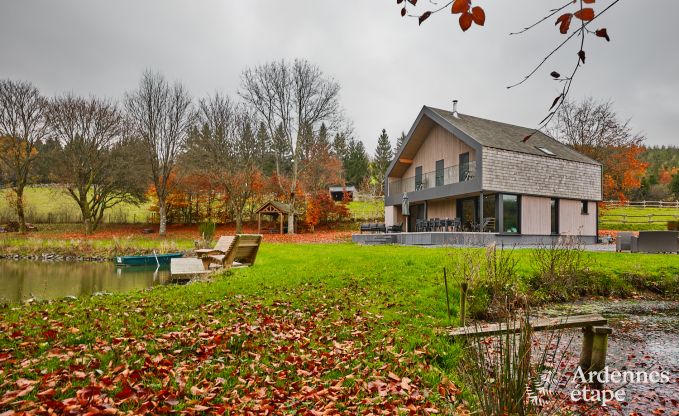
(52, 204)
(637, 219)
(367, 210)
(318, 327)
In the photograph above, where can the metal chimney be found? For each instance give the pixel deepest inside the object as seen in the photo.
(455, 113)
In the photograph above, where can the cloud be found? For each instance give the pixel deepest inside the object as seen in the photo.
(388, 66)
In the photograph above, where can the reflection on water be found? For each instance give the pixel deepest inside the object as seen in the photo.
(24, 279)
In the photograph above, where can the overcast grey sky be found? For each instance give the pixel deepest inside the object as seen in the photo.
(388, 67)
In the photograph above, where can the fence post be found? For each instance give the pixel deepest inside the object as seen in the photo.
(650, 218)
(644, 203)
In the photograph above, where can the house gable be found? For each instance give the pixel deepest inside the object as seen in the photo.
(426, 121)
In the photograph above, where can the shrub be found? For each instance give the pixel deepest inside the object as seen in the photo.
(559, 269)
(492, 280)
(207, 230)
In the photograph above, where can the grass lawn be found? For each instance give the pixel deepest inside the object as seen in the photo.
(637, 219)
(311, 326)
(41, 202)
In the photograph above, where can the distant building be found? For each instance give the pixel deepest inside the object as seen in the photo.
(337, 192)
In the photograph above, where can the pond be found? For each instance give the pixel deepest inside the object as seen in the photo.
(645, 338)
(21, 280)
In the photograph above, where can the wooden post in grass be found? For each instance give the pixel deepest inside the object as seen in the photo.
(463, 302)
(445, 281)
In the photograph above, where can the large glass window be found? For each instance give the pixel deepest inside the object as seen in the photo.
(554, 208)
(439, 172)
(510, 213)
(467, 211)
(489, 208)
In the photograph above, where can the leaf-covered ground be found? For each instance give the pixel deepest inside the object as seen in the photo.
(315, 329)
(274, 338)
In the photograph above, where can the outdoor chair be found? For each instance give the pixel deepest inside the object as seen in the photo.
(222, 253)
(624, 241)
(246, 250)
(488, 225)
(656, 242)
(457, 224)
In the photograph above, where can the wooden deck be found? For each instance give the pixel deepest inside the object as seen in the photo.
(186, 267)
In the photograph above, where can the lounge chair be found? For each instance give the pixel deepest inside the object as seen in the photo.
(223, 252)
(246, 250)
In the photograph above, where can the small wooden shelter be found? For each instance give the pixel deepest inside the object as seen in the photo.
(273, 208)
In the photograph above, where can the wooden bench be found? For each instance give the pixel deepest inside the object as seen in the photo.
(594, 339)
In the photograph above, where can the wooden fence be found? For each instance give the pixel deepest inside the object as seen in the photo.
(642, 204)
(637, 219)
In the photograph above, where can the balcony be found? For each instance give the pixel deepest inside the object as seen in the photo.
(449, 175)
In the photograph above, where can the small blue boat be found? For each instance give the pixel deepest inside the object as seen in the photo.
(145, 260)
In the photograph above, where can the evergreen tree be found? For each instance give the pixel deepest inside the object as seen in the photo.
(339, 146)
(357, 163)
(382, 157)
(399, 142)
(323, 141)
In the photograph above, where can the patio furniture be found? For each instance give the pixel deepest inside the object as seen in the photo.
(373, 228)
(246, 250)
(457, 224)
(656, 242)
(488, 225)
(397, 228)
(222, 253)
(624, 241)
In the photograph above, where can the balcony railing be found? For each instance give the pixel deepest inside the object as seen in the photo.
(451, 174)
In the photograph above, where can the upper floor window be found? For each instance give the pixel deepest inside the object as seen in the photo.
(464, 167)
(439, 172)
(545, 151)
(418, 178)
(584, 207)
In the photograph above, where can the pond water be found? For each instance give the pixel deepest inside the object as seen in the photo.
(645, 338)
(21, 280)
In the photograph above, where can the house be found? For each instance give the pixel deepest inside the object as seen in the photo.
(454, 165)
(337, 192)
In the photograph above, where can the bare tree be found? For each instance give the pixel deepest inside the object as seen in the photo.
(592, 127)
(90, 132)
(225, 151)
(22, 126)
(162, 116)
(291, 97)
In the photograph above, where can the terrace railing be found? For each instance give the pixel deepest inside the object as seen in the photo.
(449, 175)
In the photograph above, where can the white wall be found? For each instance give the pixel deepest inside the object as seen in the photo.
(536, 215)
(573, 222)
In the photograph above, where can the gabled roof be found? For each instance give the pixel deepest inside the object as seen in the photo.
(477, 132)
(278, 206)
(505, 136)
